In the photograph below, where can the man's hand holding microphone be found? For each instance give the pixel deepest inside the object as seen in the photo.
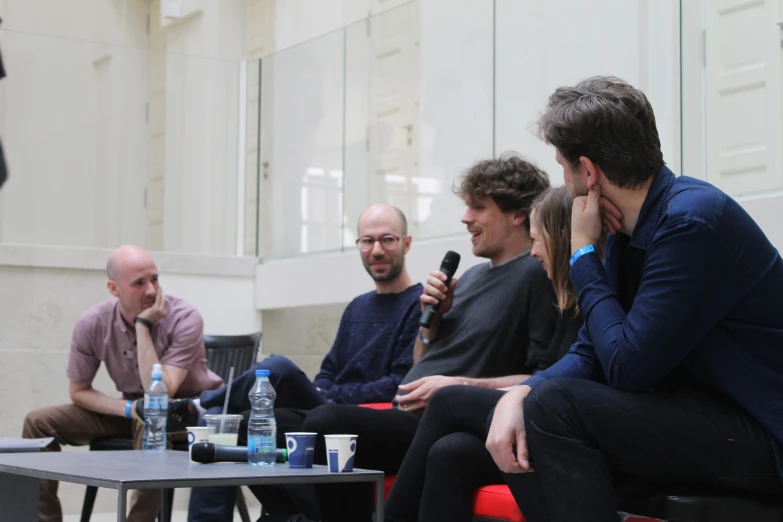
(438, 295)
(436, 300)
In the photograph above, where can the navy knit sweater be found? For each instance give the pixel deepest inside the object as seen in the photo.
(374, 348)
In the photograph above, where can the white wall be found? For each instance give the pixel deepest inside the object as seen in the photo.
(72, 119)
(194, 89)
(95, 110)
(45, 290)
(544, 45)
(297, 21)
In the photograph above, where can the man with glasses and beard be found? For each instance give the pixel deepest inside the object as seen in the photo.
(371, 355)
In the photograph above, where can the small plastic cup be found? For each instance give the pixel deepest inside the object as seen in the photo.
(223, 429)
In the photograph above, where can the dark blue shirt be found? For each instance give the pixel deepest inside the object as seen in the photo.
(698, 289)
(373, 349)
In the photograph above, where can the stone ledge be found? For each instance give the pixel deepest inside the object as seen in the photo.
(44, 256)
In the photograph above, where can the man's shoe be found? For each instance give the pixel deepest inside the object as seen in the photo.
(182, 413)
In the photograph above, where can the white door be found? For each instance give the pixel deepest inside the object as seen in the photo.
(259, 42)
(743, 96)
(394, 108)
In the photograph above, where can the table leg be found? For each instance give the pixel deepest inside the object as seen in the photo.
(122, 497)
(18, 498)
(379, 499)
(166, 498)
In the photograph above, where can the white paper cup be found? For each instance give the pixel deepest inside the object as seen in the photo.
(196, 434)
(340, 451)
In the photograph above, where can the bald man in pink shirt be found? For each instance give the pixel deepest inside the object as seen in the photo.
(129, 333)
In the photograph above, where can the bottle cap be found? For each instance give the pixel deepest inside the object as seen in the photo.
(157, 371)
(262, 373)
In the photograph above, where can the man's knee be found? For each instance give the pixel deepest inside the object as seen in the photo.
(40, 422)
(32, 424)
(551, 398)
(278, 365)
(449, 397)
(447, 454)
(324, 419)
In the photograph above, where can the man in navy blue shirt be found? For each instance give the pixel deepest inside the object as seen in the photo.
(372, 353)
(677, 375)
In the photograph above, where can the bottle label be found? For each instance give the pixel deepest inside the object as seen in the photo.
(260, 444)
(156, 402)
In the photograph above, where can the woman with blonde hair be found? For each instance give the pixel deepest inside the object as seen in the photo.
(447, 459)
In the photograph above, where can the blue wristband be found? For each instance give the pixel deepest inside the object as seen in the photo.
(424, 340)
(128, 406)
(579, 253)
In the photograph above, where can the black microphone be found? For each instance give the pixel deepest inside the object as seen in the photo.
(207, 453)
(448, 267)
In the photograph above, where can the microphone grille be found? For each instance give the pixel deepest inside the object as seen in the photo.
(203, 452)
(451, 258)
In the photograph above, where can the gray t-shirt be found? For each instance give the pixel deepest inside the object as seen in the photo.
(500, 323)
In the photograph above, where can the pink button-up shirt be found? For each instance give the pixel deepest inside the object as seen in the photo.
(102, 336)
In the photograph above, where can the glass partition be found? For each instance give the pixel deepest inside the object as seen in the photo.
(132, 126)
(300, 165)
(396, 107)
(391, 108)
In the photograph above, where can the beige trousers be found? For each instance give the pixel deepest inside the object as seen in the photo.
(75, 426)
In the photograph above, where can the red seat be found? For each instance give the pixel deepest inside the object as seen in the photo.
(496, 502)
(378, 405)
(490, 502)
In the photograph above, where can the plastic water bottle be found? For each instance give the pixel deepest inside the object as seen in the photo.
(156, 411)
(262, 427)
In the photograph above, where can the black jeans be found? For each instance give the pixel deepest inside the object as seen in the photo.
(581, 435)
(447, 460)
(296, 395)
(383, 439)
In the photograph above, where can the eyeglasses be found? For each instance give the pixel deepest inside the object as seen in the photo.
(387, 242)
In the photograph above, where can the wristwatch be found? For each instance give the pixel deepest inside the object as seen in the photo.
(143, 321)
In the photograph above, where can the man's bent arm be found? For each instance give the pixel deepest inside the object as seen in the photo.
(172, 375)
(87, 397)
(678, 302)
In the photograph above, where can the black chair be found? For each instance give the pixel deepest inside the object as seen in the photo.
(223, 352)
(700, 505)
